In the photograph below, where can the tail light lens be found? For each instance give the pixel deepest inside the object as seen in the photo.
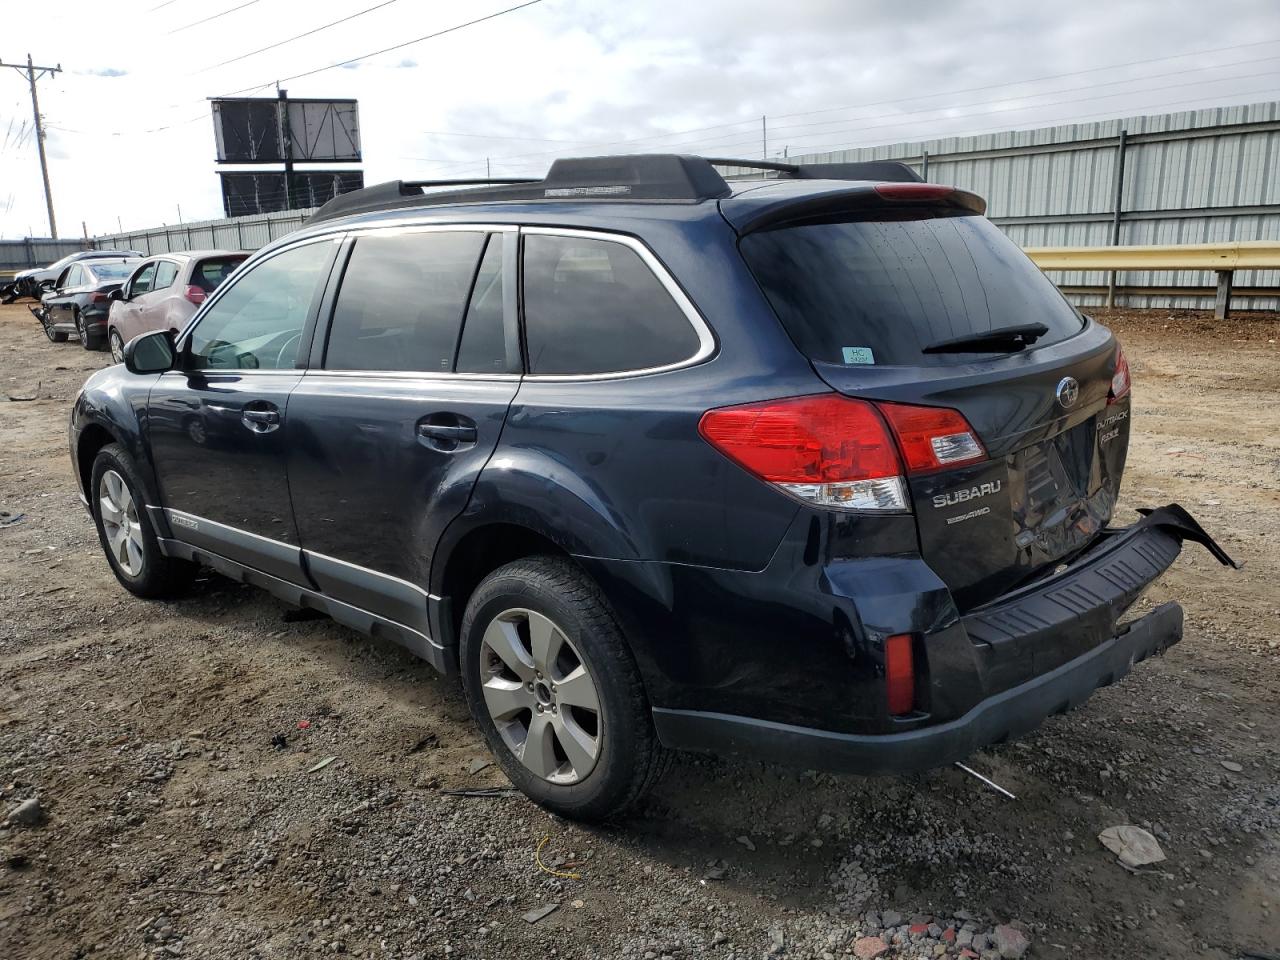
(900, 674)
(195, 294)
(1121, 382)
(835, 451)
(828, 450)
(933, 438)
(98, 298)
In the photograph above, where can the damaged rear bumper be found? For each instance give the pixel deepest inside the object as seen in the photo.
(1043, 649)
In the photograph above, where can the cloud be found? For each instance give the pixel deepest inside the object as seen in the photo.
(579, 77)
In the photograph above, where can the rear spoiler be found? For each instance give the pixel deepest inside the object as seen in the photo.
(776, 206)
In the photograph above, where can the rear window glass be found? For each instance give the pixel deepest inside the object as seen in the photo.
(209, 273)
(112, 271)
(880, 291)
(594, 306)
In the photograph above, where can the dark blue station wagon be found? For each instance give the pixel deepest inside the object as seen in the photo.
(815, 467)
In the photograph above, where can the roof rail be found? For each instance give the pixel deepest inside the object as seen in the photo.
(647, 176)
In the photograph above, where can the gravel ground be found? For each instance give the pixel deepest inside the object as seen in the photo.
(176, 752)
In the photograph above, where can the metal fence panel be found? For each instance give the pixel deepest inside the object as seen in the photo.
(1198, 176)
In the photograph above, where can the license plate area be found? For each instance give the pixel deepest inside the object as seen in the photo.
(1052, 486)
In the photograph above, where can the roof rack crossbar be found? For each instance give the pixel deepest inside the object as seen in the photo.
(470, 181)
(754, 164)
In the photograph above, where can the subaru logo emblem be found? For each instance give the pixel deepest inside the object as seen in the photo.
(1068, 392)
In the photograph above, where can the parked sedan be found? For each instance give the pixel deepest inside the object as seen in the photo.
(165, 291)
(80, 298)
(36, 281)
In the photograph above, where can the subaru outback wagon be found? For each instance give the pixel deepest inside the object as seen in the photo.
(815, 467)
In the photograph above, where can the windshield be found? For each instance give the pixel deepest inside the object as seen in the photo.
(111, 271)
(880, 291)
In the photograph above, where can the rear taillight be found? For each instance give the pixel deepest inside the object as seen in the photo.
(195, 294)
(829, 450)
(1121, 382)
(835, 451)
(98, 298)
(900, 674)
(933, 438)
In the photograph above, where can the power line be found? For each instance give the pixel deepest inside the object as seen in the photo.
(197, 23)
(398, 46)
(272, 46)
(754, 120)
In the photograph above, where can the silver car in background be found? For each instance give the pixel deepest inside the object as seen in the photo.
(164, 291)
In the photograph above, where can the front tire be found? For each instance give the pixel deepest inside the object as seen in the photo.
(55, 336)
(117, 345)
(124, 530)
(553, 687)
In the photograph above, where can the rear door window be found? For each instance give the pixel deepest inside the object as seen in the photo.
(401, 301)
(862, 291)
(593, 306)
(483, 346)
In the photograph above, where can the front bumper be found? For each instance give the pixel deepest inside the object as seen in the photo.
(1036, 652)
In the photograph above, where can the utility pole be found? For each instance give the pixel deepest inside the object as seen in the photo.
(764, 138)
(286, 137)
(34, 73)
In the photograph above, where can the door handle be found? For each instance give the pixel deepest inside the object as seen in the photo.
(439, 431)
(260, 421)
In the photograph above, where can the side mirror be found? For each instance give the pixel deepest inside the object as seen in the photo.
(116, 294)
(150, 352)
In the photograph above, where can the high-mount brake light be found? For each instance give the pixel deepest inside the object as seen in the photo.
(1121, 381)
(194, 294)
(914, 191)
(899, 674)
(828, 450)
(933, 438)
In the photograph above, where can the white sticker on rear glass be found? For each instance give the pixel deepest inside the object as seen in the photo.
(858, 355)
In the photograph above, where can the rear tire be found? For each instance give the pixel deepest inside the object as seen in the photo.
(125, 532)
(563, 652)
(87, 340)
(116, 344)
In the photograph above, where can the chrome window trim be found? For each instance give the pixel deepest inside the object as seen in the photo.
(181, 340)
(706, 339)
(409, 374)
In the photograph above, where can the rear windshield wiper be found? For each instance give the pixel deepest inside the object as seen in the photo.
(1005, 338)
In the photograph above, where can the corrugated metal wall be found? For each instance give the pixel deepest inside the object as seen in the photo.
(1194, 177)
(22, 254)
(236, 233)
(1199, 176)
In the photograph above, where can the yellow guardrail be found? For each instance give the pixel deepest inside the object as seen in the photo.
(1240, 255)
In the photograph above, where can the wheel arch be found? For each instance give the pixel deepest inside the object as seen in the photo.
(93, 437)
(472, 556)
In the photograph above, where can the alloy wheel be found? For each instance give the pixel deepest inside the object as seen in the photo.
(120, 522)
(117, 347)
(541, 696)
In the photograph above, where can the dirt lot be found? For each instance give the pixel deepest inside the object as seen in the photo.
(176, 827)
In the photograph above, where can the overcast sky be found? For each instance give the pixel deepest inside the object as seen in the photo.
(130, 134)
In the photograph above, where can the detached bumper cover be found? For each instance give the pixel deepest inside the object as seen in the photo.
(1047, 647)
